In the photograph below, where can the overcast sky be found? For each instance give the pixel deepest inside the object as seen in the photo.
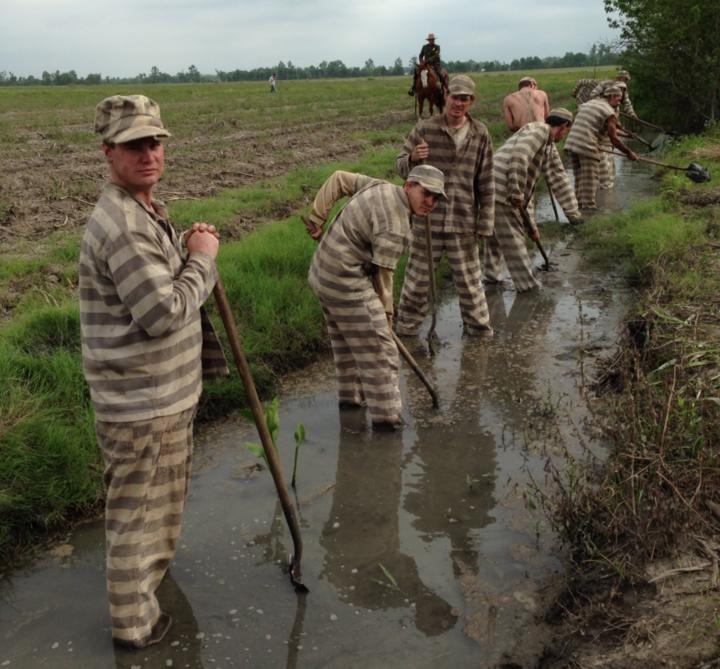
(126, 37)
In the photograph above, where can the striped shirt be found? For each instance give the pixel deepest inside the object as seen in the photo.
(517, 165)
(589, 128)
(141, 325)
(372, 229)
(468, 170)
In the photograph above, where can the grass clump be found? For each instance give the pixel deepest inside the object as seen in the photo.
(661, 484)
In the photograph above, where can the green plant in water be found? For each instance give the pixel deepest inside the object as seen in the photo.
(299, 441)
(272, 419)
(390, 581)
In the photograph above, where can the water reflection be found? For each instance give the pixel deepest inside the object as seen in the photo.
(361, 536)
(182, 646)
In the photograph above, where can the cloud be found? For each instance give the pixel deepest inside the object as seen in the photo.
(126, 38)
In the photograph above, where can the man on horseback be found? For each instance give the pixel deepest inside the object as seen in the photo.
(430, 56)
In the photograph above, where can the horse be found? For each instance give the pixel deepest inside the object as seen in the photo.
(427, 87)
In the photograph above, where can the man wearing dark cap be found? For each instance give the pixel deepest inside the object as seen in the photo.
(595, 120)
(525, 105)
(352, 276)
(146, 345)
(461, 148)
(516, 168)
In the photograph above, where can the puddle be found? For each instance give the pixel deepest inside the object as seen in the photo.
(419, 547)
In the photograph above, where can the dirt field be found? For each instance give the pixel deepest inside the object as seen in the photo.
(53, 169)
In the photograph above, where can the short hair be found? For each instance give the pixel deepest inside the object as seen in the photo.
(555, 121)
(526, 81)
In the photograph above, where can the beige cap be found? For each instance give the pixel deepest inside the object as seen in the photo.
(612, 90)
(430, 36)
(461, 84)
(623, 73)
(562, 113)
(124, 118)
(429, 177)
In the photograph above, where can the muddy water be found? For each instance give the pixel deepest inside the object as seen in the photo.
(422, 548)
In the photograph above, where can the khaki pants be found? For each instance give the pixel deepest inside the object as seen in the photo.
(147, 474)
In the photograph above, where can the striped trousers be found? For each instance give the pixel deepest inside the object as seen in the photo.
(508, 243)
(464, 259)
(606, 176)
(147, 473)
(587, 175)
(365, 355)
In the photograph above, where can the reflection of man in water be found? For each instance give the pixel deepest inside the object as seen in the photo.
(362, 532)
(453, 492)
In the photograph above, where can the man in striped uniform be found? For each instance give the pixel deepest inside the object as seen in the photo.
(516, 167)
(595, 120)
(461, 147)
(587, 89)
(146, 344)
(352, 275)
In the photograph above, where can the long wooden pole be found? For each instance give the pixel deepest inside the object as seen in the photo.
(265, 438)
(415, 367)
(433, 284)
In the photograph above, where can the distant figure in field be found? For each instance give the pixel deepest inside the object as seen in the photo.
(525, 105)
(430, 54)
(273, 83)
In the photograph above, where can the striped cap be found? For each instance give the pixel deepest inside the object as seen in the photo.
(561, 113)
(461, 84)
(430, 178)
(124, 118)
(612, 90)
(623, 73)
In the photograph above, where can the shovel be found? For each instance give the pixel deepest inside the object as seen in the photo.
(411, 361)
(645, 123)
(694, 171)
(271, 455)
(528, 227)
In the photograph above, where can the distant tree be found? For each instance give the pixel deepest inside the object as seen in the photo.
(369, 68)
(397, 67)
(672, 50)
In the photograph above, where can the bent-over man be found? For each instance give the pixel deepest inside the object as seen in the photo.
(461, 148)
(146, 344)
(352, 275)
(516, 168)
(595, 120)
(525, 105)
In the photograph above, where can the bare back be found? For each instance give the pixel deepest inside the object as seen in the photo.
(525, 106)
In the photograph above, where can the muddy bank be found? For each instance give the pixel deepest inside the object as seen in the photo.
(422, 548)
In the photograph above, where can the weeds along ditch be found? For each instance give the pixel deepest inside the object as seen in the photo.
(244, 161)
(659, 493)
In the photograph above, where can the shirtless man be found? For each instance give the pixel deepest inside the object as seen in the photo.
(525, 105)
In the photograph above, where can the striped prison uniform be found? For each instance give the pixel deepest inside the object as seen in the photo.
(516, 167)
(466, 159)
(625, 105)
(583, 147)
(351, 274)
(146, 345)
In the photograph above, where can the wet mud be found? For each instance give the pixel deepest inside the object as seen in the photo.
(422, 548)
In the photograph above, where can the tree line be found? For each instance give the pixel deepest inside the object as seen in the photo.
(599, 55)
(672, 50)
